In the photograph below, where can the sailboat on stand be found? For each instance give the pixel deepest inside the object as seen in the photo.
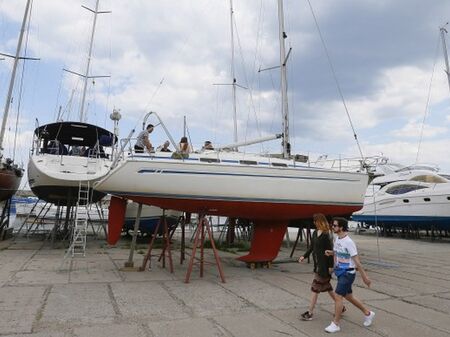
(10, 173)
(270, 192)
(66, 154)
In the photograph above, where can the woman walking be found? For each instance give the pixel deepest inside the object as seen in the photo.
(320, 242)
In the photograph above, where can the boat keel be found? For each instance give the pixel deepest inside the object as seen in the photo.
(266, 241)
(116, 219)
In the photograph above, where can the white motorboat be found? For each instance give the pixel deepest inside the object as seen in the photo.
(408, 198)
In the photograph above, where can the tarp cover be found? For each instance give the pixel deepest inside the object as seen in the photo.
(75, 133)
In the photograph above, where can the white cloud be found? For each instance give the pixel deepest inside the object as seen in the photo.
(413, 129)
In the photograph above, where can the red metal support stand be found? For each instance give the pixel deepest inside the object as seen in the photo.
(166, 245)
(199, 241)
(185, 220)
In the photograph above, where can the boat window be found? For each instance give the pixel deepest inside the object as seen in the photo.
(406, 200)
(248, 162)
(426, 199)
(401, 189)
(429, 178)
(279, 164)
(210, 160)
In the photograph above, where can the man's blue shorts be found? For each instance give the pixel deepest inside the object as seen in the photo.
(344, 284)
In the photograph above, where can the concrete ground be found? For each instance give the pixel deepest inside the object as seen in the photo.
(93, 296)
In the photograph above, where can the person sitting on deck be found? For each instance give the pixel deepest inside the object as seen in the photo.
(75, 151)
(56, 147)
(184, 145)
(207, 146)
(164, 147)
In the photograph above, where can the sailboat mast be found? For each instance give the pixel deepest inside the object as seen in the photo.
(88, 63)
(233, 86)
(444, 47)
(284, 99)
(13, 74)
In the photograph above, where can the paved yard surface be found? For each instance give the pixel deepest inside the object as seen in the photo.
(94, 296)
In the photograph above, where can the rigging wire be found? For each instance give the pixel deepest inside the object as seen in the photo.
(336, 80)
(428, 99)
(247, 84)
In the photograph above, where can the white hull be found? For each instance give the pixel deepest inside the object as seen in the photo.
(231, 182)
(56, 177)
(148, 212)
(422, 203)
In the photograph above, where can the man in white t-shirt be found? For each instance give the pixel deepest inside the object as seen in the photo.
(142, 141)
(346, 262)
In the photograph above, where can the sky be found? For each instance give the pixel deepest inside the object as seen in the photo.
(169, 56)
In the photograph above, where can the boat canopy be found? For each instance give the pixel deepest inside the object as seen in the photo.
(76, 133)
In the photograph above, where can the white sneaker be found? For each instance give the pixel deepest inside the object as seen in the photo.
(332, 328)
(368, 319)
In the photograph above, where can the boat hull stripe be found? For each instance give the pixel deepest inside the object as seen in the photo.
(160, 171)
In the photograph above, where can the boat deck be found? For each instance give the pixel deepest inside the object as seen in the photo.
(94, 297)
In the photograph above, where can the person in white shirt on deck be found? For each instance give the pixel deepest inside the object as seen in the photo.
(142, 141)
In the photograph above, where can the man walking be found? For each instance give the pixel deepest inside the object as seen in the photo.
(346, 261)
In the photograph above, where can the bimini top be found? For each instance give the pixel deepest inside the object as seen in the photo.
(76, 133)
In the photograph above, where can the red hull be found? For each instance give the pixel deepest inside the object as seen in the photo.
(9, 183)
(270, 219)
(247, 210)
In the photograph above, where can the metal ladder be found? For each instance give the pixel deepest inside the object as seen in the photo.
(78, 242)
(78, 245)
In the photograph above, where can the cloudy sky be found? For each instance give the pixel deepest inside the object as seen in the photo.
(166, 56)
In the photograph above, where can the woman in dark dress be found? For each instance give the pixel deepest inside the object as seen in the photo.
(321, 241)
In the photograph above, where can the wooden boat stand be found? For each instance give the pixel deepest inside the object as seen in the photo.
(166, 245)
(300, 236)
(199, 242)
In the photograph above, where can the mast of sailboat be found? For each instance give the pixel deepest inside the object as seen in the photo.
(233, 86)
(284, 99)
(88, 63)
(13, 74)
(444, 47)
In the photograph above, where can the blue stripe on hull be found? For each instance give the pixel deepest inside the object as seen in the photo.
(419, 222)
(167, 171)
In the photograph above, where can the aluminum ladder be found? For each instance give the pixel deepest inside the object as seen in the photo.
(78, 242)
